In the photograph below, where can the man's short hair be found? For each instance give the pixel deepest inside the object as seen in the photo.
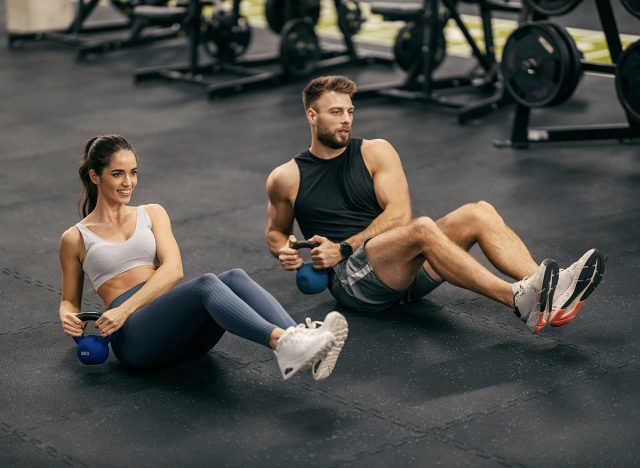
(323, 84)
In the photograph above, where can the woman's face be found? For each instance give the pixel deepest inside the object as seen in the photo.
(119, 178)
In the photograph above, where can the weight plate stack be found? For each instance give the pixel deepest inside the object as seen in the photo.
(299, 47)
(408, 46)
(350, 17)
(539, 67)
(575, 65)
(225, 36)
(632, 6)
(553, 7)
(277, 14)
(628, 81)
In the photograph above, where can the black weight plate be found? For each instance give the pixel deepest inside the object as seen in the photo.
(535, 65)
(225, 36)
(350, 17)
(277, 16)
(408, 46)
(628, 81)
(575, 70)
(553, 7)
(299, 48)
(632, 6)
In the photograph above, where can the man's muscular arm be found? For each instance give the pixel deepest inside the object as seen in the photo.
(391, 188)
(392, 192)
(282, 185)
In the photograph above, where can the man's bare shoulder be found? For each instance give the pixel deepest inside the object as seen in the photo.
(284, 178)
(378, 153)
(378, 146)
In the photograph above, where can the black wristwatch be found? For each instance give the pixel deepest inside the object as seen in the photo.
(345, 249)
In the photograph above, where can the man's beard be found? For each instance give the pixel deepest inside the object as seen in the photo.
(331, 140)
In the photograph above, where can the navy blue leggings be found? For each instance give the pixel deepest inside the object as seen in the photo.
(189, 320)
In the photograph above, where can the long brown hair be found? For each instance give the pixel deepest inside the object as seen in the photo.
(98, 152)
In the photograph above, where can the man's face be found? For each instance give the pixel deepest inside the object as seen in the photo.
(333, 119)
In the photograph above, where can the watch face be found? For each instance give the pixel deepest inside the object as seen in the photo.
(346, 249)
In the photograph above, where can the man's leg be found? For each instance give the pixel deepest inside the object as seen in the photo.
(397, 255)
(480, 223)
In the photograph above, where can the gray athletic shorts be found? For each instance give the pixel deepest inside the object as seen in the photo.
(355, 285)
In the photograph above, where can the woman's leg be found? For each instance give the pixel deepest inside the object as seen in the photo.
(257, 297)
(165, 331)
(162, 332)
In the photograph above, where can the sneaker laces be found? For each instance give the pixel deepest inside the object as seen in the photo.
(312, 324)
(519, 288)
(299, 334)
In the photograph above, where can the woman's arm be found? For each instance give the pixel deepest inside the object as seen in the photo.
(168, 274)
(72, 282)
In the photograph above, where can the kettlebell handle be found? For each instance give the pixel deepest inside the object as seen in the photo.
(305, 245)
(84, 316)
(91, 316)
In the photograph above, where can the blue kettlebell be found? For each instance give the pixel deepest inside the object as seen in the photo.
(308, 279)
(92, 349)
(311, 281)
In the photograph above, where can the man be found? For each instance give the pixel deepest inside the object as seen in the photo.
(351, 197)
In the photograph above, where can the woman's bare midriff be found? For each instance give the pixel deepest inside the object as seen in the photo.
(126, 280)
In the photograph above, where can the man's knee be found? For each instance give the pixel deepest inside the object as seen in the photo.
(480, 212)
(424, 227)
(486, 208)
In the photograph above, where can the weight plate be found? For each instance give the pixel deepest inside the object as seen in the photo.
(299, 47)
(553, 7)
(536, 65)
(350, 17)
(407, 48)
(632, 6)
(277, 16)
(225, 36)
(575, 69)
(628, 81)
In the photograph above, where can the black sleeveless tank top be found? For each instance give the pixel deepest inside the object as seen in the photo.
(335, 197)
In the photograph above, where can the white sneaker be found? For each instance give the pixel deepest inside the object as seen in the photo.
(299, 347)
(338, 326)
(533, 296)
(575, 284)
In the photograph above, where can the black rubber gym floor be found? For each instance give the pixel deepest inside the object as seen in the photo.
(455, 380)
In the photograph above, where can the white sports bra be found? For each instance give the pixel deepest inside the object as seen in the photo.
(105, 259)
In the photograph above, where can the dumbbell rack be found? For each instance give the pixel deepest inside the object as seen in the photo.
(420, 84)
(522, 135)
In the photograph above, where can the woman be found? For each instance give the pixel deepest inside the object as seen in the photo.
(133, 262)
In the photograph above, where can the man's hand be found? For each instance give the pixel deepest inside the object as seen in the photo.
(290, 258)
(326, 255)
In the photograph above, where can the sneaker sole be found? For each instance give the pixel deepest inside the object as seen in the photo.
(321, 354)
(589, 279)
(323, 368)
(549, 283)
